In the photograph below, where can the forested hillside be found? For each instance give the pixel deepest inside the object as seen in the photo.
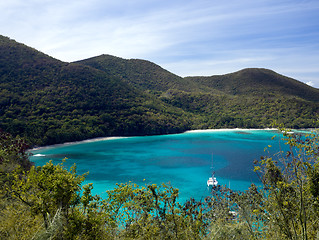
(48, 101)
(258, 82)
(141, 74)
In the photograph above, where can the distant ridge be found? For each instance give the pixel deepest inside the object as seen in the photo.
(149, 76)
(140, 73)
(258, 81)
(49, 101)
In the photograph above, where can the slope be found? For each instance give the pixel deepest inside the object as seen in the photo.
(258, 82)
(148, 76)
(49, 101)
(142, 74)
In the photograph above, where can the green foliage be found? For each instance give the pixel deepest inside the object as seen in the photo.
(141, 74)
(13, 151)
(87, 219)
(13, 155)
(46, 190)
(258, 82)
(50, 197)
(52, 204)
(246, 111)
(290, 183)
(152, 212)
(48, 101)
(16, 220)
(284, 207)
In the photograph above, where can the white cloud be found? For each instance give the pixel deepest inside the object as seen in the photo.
(202, 37)
(310, 83)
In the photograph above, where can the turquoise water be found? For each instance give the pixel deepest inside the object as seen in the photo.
(183, 160)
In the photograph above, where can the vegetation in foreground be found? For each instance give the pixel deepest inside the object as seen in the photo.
(49, 202)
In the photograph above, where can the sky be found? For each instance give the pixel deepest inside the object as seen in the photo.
(186, 37)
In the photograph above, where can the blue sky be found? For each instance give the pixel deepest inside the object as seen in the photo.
(186, 37)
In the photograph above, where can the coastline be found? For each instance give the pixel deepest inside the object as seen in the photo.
(188, 131)
(76, 142)
(231, 129)
(121, 137)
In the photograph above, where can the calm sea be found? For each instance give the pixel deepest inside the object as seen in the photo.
(183, 160)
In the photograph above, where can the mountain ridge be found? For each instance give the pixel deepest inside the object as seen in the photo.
(137, 72)
(240, 74)
(258, 79)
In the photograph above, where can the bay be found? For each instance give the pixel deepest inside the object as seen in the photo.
(182, 160)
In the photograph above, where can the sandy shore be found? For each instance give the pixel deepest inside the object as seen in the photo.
(76, 142)
(189, 131)
(232, 129)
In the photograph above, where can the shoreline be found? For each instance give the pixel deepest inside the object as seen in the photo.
(121, 137)
(76, 142)
(230, 129)
(188, 131)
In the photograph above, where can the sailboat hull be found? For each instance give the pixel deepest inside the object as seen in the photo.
(212, 181)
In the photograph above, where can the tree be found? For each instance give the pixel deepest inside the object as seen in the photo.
(49, 191)
(13, 153)
(290, 188)
(152, 212)
(284, 206)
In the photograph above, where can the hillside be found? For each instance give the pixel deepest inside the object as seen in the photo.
(49, 101)
(141, 74)
(146, 75)
(258, 81)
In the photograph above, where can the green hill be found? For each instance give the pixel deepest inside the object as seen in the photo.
(49, 101)
(258, 81)
(141, 74)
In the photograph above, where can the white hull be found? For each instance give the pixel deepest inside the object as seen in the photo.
(212, 181)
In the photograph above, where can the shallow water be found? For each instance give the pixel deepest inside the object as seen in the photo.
(183, 160)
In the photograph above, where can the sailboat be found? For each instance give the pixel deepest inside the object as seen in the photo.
(212, 181)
